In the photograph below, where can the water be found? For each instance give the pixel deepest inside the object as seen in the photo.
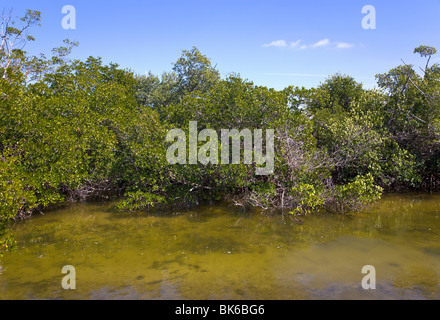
(219, 252)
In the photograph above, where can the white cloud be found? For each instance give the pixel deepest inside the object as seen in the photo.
(321, 43)
(344, 45)
(295, 44)
(276, 43)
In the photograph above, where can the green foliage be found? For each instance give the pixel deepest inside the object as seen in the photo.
(337, 92)
(191, 72)
(308, 197)
(157, 93)
(261, 194)
(139, 200)
(425, 51)
(355, 196)
(231, 103)
(194, 72)
(412, 113)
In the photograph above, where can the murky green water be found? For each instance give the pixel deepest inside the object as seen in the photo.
(221, 253)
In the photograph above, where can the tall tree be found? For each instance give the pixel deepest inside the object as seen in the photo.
(195, 71)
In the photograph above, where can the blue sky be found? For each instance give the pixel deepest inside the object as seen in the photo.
(273, 43)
